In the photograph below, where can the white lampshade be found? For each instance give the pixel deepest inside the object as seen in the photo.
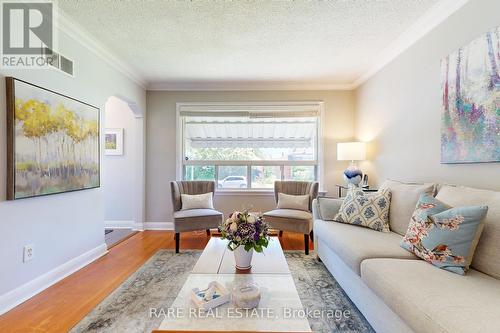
(351, 151)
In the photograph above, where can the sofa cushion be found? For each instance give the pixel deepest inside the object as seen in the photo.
(290, 213)
(403, 201)
(328, 207)
(289, 220)
(196, 213)
(444, 236)
(487, 256)
(434, 300)
(353, 244)
(196, 219)
(370, 211)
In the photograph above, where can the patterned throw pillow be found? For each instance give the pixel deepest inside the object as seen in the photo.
(371, 211)
(444, 236)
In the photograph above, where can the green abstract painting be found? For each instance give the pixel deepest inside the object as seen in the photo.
(53, 142)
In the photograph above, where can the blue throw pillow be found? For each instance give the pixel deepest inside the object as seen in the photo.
(444, 236)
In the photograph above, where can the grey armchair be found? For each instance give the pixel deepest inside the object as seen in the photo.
(192, 219)
(291, 219)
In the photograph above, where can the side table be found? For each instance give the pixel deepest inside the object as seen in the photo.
(365, 189)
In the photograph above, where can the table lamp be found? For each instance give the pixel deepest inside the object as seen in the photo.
(352, 151)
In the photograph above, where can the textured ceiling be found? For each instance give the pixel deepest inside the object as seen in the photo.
(320, 42)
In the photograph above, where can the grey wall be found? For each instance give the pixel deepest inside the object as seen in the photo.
(398, 109)
(119, 172)
(61, 226)
(161, 142)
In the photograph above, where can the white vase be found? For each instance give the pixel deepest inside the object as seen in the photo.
(243, 258)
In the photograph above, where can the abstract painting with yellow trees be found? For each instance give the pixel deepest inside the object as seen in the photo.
(53, 142)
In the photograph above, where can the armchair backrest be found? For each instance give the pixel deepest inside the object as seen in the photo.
(189, 187)
(296, 188)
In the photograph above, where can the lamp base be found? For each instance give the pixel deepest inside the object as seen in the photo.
(353, 175)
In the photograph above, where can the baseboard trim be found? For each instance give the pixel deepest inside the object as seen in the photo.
(17, 296)
(122, 224)
(158, 225)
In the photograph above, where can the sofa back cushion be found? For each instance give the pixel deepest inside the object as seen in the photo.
(327, 208)
(487, 256)
(403, 201)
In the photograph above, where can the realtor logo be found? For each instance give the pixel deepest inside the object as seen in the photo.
(27, 33)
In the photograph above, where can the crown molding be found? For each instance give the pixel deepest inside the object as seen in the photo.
(80, 35)
(245, 85)
(427, 22)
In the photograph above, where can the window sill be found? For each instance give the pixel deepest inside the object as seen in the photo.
(244, 192)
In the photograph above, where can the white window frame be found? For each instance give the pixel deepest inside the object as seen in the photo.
(295, 106)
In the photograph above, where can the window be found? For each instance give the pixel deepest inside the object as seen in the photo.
(232, 176)
(249, 146)
(264, 176)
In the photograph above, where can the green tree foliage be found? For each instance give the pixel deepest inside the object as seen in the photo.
(39, 122)
(227, 154)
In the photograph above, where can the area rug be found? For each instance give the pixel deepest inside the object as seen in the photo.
(158, 281)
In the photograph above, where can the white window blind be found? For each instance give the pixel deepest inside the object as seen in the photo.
(246, 148)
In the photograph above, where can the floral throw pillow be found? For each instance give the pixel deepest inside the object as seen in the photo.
(444, 236)
(366, 210)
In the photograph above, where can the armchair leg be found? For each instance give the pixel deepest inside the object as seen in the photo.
(177, 241)
(306, 243)
(281, 233)
(208, 232)
(311, 235)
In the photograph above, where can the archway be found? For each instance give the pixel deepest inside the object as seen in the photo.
(123, 175)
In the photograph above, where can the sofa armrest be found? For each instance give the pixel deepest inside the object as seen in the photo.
(326, 208)
(315, 209)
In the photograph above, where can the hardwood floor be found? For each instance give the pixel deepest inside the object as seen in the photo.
(63, 305)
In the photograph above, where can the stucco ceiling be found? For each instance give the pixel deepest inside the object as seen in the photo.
(184, 42)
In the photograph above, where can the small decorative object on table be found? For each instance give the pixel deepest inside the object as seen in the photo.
(352, 151)
(246, 296)
(365, 182)
(211, 297)
(246, 232)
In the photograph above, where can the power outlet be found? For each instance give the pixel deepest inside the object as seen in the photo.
(29, 252)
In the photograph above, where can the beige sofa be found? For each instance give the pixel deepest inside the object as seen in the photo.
(396, 291)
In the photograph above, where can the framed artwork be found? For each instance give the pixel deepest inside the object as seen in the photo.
(114, 141)
(52, 142)
(470, 116)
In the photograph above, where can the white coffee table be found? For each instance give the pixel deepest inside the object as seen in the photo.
(218, 259)
(280, 309)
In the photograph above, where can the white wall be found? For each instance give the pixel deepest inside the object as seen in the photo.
(62, 226)
(119, 172)
(161, 142)
(398, 110)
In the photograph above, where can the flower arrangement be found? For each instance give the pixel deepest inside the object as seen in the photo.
(245, 229)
